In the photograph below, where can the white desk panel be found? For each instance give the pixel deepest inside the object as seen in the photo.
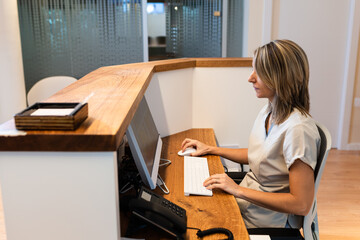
(169, 96)
(218, 98)
(60, 195)
(224, 100)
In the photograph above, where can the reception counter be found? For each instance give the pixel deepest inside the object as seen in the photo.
(63, 184)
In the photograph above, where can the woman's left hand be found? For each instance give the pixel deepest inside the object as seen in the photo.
(222, 181)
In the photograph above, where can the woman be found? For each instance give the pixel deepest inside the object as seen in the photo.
(283, 144)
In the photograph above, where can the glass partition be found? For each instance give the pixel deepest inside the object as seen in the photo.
(194, 28)
(235, 28)
(75, 37)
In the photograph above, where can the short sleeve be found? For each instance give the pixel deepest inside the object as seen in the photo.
(301, 142)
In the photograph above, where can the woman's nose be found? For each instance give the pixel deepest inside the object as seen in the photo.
(252, 77)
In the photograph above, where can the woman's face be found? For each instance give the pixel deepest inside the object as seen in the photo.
(261, 90)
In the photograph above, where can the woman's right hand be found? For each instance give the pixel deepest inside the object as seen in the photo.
(201, 148)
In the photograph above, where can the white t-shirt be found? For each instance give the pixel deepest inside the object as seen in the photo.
(270, 157)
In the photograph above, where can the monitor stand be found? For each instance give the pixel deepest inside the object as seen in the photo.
(161, 184)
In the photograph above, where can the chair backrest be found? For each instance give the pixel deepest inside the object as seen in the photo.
(310, 221)
(161, 40)
(46, 87)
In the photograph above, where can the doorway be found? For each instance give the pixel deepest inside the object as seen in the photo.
(156, 18)
(179, 29)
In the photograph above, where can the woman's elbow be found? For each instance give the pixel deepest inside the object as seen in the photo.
(303, 209)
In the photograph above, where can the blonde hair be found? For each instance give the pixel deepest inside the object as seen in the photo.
(283, 67)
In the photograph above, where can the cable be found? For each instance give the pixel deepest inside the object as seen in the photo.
(194, 228)
(124, 189)
(210, 231)
(165, 162)
(132, 182)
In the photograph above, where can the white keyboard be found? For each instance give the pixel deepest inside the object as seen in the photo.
(196, 170)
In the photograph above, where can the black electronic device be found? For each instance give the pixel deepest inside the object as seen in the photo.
(145, 144)
(159, 212)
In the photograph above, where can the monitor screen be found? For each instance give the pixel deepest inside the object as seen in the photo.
(145, 144)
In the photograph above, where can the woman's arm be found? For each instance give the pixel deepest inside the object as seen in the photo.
(237, 155)
(298, 201)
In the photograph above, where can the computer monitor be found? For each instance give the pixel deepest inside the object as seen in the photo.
(145, 144)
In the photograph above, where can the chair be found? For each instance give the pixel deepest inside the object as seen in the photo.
(46, 87)
(161, 40)
(236, 176)
(310, 223)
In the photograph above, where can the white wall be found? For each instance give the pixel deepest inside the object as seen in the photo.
(351, 70)
(224, 100)
(12, 91)
(321, 28)
(156, 25)
(218, 98)
(254, 29)
(169, 96)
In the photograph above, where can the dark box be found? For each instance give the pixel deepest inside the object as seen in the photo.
(52, 116)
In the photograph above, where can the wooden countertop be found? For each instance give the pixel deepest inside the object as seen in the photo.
(117, 93)
(220, 210)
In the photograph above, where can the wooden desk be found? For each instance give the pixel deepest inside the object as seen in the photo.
(220, 210)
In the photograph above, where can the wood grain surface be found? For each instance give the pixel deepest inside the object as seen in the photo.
(220, 210)
(117, 91)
